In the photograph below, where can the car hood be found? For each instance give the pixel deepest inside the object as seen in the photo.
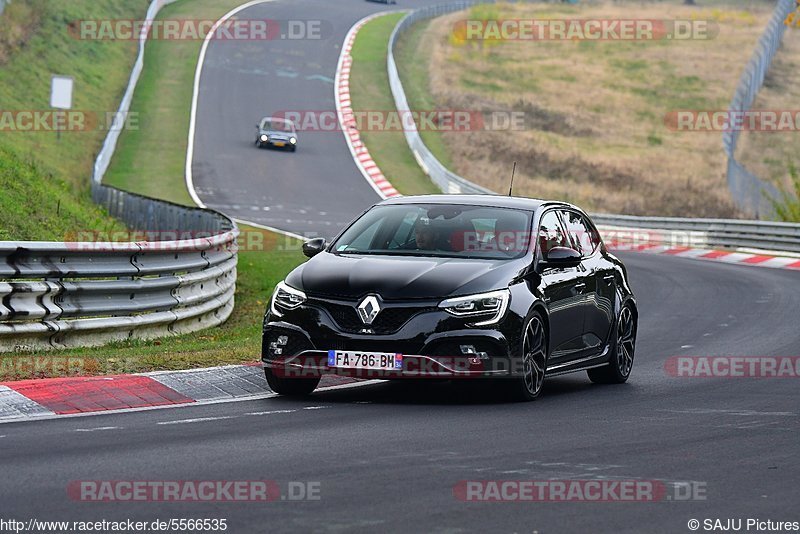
(399, 278)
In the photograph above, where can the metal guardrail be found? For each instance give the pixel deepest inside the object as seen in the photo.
(748, 191)
(446, 180)
(91, 292)
(68, 294)
(706, 233)
(714, 233)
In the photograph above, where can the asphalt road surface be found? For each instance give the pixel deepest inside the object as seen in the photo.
(387, 456)
(313, 191)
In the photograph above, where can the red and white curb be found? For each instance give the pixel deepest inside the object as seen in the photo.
(53, 397)
(723, 256)
(369, 169)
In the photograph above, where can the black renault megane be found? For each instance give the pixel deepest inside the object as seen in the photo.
(505, 289)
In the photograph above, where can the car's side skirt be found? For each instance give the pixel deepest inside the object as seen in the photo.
(579, 365)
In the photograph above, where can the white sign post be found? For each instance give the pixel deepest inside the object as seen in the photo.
(60, 95)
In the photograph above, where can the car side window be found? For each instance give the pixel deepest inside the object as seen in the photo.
(550, 232)
(579, 233)
(595, 237)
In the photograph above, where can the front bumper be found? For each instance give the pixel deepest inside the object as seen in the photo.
(314, 363)
(277, 142)
(430, 343)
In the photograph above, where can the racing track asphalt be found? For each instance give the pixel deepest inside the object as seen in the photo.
(387, 455)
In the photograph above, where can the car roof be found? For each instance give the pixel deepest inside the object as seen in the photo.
(495, 201)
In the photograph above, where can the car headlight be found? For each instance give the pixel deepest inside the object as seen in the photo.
(264, 138)
(489, 308)
(293, 140)
(285, 298)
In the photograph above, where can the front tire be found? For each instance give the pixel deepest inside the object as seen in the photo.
(290, 387)
(528, 387)
(619, 366)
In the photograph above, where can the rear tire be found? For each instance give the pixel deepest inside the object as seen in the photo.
(533, 353)
(290, 387)
(619, 366)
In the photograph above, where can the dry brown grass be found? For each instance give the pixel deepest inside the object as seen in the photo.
(595, 132)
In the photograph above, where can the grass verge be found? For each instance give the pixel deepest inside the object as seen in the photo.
(411, 46)
(44, 177)
(150, 160)
(37, 206)
(369, 91)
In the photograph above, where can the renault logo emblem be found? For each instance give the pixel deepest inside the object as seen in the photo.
(368, 309)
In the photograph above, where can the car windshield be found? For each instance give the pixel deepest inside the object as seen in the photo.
(437, 230)
(277, 125)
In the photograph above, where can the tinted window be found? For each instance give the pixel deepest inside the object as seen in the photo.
(579, 233)
(595, 236)
(550, 233)
(439, 230)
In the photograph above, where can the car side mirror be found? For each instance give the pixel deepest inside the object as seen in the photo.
(312, 247)
(561, 257)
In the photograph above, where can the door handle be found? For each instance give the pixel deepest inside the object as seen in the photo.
(580, 286)
(608, 277)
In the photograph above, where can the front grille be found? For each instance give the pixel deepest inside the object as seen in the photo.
(295, 345)
(388, 321)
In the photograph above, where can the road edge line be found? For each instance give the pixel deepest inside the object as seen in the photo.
(188, 178)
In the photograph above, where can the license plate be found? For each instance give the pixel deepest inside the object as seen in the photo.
(279, 143)
(365, 360)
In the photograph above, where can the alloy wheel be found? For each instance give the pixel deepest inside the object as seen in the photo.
(534, 356)
(626, 340)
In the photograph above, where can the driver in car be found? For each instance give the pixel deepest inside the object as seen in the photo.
(425, 235)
